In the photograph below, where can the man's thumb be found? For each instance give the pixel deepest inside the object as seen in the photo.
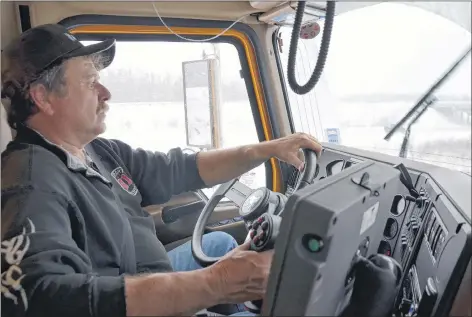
(245, 246)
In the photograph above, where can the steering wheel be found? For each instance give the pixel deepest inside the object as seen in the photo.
(260, 209)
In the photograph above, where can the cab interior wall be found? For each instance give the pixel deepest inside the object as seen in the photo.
(9, 21)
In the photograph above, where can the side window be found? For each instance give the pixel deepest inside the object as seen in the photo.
(147, 105)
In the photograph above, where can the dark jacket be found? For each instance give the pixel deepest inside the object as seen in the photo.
(71, 231)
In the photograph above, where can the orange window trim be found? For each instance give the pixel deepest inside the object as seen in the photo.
(250, 54)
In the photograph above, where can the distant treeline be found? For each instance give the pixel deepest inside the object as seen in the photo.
(378, 98)
(128, 86)
(454, 148)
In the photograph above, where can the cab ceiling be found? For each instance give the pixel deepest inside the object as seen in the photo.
(52, 12)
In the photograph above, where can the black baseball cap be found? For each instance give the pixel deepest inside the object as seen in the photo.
(47, 45)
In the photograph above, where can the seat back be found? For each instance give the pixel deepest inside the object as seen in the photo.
(5, 131)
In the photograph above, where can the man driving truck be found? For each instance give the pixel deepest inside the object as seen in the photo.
(75, 238)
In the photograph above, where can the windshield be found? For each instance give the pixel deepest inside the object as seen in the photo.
(382, 59)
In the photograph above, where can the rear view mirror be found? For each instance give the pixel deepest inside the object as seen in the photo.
(200, 100)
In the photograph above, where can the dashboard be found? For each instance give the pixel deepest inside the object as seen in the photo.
(426, 229)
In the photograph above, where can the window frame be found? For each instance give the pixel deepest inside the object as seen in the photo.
(283, 82)
(129, 28)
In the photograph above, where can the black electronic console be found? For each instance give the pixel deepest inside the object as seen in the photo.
(326, 228)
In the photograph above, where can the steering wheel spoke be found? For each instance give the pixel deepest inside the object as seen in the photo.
(234, 190)
(238, 193)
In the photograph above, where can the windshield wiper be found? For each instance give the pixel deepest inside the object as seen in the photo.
(420, 111)
(425, 101)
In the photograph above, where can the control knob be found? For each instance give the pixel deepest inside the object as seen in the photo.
(414, 225)
(264, 231)
(404, 242)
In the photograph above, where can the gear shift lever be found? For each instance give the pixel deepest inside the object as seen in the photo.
(377, 280)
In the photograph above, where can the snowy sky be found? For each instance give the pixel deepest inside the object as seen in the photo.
(392, 48)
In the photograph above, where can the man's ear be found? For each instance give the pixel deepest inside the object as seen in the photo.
(40, 96)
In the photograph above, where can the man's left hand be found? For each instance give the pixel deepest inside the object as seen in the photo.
(287, 149)
(220, 166)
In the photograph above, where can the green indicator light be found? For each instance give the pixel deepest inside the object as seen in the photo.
(314, 245)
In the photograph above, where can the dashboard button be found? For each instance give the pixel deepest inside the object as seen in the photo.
(262, 235)
(265, 225)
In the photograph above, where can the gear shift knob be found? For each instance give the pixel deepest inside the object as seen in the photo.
(377, 280)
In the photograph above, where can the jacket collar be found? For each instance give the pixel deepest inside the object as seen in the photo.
(28, 135)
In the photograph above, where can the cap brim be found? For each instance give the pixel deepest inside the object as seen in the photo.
(105, 48)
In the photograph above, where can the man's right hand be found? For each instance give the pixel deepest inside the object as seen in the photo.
(242, 275)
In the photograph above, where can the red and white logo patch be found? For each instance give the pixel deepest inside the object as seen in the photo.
(124, 180)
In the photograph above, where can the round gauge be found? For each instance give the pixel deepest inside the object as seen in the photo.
(385, 248)
(398, 205)
(391, 228)
(252, 202)
(335, 167)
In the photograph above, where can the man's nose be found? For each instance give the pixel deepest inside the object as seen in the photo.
(103, 93)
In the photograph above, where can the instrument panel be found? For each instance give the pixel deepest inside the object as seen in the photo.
(428, 235)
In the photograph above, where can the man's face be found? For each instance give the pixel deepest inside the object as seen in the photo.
(83, 105)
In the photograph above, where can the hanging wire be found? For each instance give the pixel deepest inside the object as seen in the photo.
(194, 40)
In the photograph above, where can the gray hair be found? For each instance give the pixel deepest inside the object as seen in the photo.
(52, 79)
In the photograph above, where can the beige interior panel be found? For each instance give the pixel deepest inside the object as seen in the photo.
(5, 132)
(10, 28)
(52, 12)
(9, 24)
(265, 32)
